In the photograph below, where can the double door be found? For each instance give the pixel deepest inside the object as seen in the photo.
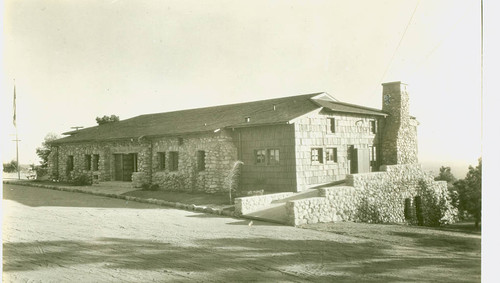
(125, 165)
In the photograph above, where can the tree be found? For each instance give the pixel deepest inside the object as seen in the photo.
(44, 151)
(446, 175)
(469, 192)
(107, 119)
(10, 167)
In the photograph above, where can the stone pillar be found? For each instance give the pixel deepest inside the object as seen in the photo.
(399, 138)
(53, 163)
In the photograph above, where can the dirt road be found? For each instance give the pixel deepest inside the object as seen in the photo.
(53, 236)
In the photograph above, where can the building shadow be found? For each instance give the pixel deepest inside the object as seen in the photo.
(243, 259)
(37, 197)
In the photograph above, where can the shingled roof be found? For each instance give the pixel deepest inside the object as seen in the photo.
(263, 112)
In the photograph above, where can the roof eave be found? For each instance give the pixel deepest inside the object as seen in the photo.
(257, 125)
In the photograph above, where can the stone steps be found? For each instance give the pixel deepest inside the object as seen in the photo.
(301, 195)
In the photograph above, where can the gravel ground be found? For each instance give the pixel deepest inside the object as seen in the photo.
(54, 236)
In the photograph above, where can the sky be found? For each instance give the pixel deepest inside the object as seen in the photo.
(75, 60)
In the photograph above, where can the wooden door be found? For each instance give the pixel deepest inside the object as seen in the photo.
(352, 157)
(128, 166)
(363, 160)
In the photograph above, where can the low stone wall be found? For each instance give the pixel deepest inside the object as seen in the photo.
(139, 179)
(344, 201)
(309, 210)
(377, 197)
(247, 205)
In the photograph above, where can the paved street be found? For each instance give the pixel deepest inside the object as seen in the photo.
(54, 236)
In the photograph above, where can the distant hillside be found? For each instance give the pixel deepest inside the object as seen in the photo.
(459, 169)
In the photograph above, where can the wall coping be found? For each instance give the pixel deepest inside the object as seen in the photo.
(274, 196)
(306, 199)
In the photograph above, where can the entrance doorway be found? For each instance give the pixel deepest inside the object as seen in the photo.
(359, 159)
(352, 157)
(125, 165)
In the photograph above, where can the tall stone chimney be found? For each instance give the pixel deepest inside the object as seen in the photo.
(399, 138)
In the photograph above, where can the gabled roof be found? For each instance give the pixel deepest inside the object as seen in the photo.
(336, 106)
(263, 112)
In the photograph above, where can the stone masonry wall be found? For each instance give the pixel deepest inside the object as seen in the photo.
(105, 151)
(220, 154)
(377, 197)
(313, 131)
(399, 139)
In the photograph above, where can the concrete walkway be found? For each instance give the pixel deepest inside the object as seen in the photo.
(111, 187)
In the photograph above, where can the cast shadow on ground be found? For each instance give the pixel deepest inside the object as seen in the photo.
(37, 197)
(251, 259)
(445, 243)
(242, 222)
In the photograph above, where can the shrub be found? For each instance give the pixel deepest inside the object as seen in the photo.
(171, 181)
(41, 172)
(150, 187)
(139, 179)
(81, 180)
(437, 207)
(410, 211)
(234, 177)
(419, 210)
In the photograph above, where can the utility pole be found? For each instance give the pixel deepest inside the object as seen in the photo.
(17, 156)
(14, 121)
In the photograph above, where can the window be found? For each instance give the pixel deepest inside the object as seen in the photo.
(331, 154)
(317, 155)
(161, 160)
(200, 156)
(88, 159)
(134, 162)
(331, 125)
(173, 161)
(373, 126)
(70, 163)
(373, 153)
(260, 156)
(373, 158)
(95, 162)
(274, 156)
(180, 141)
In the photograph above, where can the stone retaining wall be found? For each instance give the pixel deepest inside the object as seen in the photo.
(377, 197)
(247, 205)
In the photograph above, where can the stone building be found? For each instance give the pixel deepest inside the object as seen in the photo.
(286, 144)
